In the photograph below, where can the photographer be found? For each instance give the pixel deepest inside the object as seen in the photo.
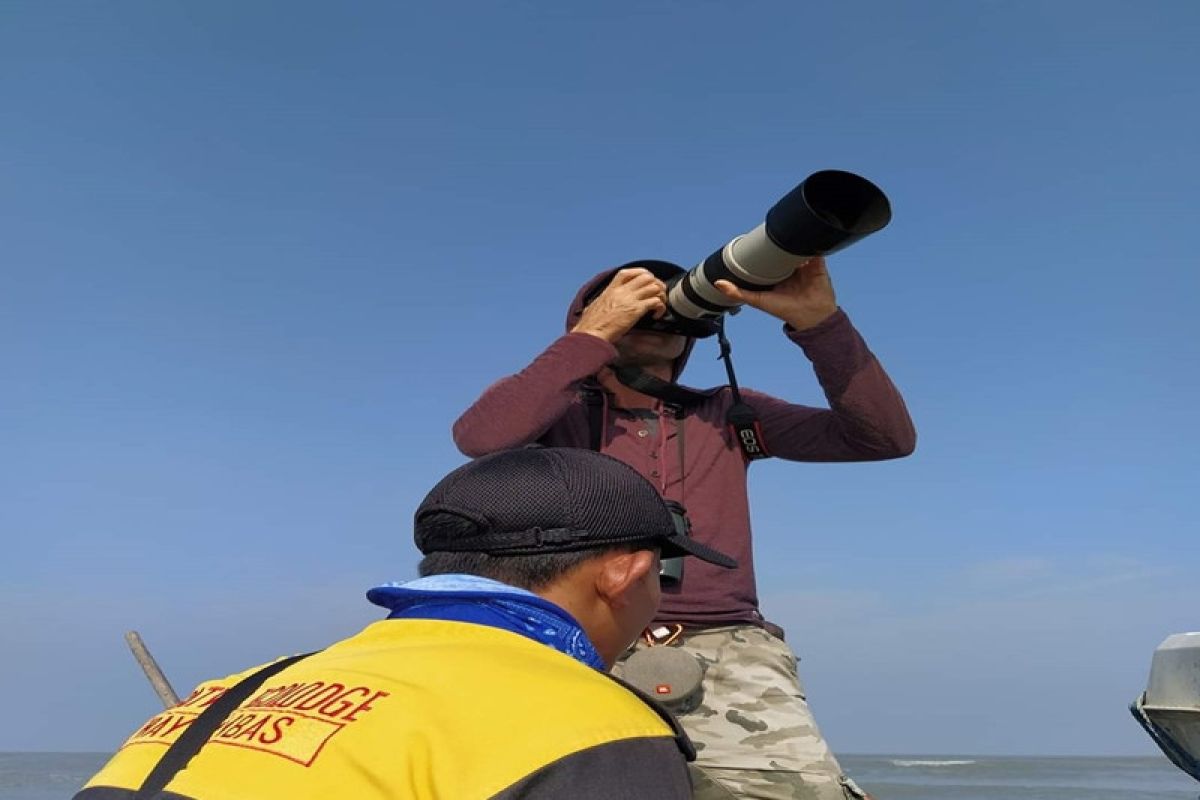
(754, 732)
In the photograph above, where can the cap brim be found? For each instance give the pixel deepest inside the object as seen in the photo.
(676, 546)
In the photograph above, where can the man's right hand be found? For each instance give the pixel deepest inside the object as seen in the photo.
(631, 295)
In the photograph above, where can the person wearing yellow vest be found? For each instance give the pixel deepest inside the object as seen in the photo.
(488, 678)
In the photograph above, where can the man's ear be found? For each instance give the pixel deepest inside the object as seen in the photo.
(621, 571)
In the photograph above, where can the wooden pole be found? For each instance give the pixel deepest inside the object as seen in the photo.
(149, 666)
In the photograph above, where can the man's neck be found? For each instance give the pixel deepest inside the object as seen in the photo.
(625, 397)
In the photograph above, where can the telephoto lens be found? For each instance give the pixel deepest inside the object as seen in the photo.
(828, 211)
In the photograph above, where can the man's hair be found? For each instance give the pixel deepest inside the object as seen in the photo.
(524, 572)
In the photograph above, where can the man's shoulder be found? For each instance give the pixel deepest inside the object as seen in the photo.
(512, 667)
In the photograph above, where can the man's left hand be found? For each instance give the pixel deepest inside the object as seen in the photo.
(804, 300)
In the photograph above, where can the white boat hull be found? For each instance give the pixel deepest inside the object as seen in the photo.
(1169, 709)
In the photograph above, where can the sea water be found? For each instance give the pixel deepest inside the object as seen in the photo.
(1020, 778)
(52, 776)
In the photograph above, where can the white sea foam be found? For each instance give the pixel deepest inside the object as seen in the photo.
(900, 762)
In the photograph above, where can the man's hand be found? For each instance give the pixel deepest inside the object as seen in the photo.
(630, 296)
(804, 300)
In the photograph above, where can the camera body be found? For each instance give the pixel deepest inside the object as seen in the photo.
(826, 212)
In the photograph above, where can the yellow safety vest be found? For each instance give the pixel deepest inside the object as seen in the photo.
(406, 708)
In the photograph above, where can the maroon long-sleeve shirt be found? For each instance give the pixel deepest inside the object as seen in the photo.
(866, 421)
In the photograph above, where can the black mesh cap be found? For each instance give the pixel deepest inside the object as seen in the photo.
(548, 500)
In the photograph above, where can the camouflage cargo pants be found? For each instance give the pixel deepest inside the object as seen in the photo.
(754, 734)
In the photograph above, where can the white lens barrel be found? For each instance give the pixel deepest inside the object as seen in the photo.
(681, 304)
(754, 258)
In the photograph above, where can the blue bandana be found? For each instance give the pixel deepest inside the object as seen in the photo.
(468, 598)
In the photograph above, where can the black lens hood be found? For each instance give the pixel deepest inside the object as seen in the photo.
(828, 211)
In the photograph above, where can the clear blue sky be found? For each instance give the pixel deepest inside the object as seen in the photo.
(258, 256)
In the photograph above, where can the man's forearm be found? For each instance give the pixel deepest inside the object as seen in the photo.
(866, 419)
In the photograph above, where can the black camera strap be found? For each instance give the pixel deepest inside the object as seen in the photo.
(741, 417)
(671, 393)
(594, 401)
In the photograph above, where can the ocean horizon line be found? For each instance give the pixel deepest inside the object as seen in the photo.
(940, 756)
